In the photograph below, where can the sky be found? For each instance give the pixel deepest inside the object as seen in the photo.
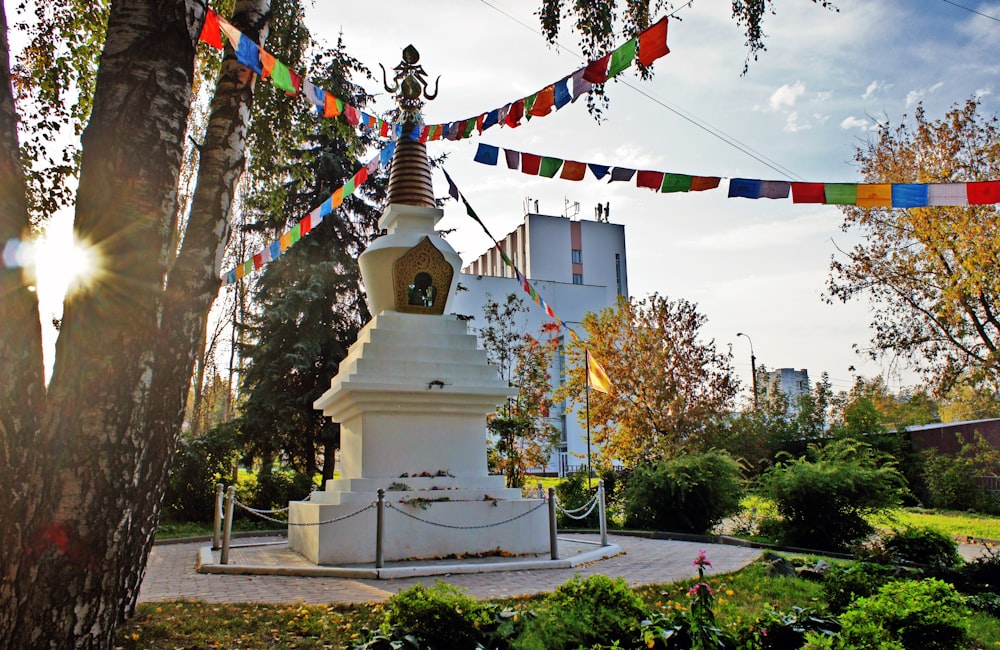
(754, 266)
(757, 267)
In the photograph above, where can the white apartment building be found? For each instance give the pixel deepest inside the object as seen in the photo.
(577, 266)
(793, 383)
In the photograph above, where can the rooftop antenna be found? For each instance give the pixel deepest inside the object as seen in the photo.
(571, 211)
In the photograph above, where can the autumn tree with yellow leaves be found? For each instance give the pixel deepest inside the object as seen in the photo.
(932, 275)
(669, 385)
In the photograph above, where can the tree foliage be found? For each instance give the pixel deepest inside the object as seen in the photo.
(931, 274)
(669, 385)
(310, 302)
(523, 437)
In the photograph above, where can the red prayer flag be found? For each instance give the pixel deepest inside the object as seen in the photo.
(351, 115)
(258, 261)
(597, 71)
(515, 114)
(653, 42)
(530, 163)
(983, 192)
(808, 193)
(210, 31)
(296, 82)
(306, 225)
(649, 179)
(424, 133)
(361, 177)
(573, 171)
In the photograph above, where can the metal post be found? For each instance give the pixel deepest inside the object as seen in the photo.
(541, 491)
(553, 544)
(602, 512)
(217, 524)
(379, 526)
(228, 531)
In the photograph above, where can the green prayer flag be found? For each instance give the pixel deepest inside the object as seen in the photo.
(550, 166)
(349, 187)
(841, 193)
(469, 126)
(506, 259)
(248, 266)
(281, 78)
(528, 103)
(622, 57)
(295, 234)
(676, 183)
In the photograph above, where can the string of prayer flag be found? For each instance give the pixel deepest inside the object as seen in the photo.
(306, 224)
(864, 195)
(651, 44)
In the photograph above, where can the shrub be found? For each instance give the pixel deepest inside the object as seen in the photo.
(199, 464)
(842, 585)
(688, 494)
(981, 574)
(584, 612)
(573, 493)
(919, 615)
(986, 602)
(824, 497)
(923, 546)
(789, 630)
(439, 617)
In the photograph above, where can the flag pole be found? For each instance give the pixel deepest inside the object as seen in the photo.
(587, 373)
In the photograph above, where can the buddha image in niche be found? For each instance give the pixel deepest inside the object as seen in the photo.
(421, 291)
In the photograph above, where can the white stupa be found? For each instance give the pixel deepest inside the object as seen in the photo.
(412, 397)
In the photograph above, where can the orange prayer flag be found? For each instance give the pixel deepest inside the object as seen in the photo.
(267, 62)
(332, 107)
(653, 43)
(874, 195)
(700, 183)
(573, 171)
(596, 375)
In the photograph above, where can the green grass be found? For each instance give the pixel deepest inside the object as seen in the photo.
(950, 522)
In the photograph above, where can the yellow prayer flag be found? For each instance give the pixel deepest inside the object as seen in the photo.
(596, 375)
(874, 195)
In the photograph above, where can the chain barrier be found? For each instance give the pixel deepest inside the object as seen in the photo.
(390, 506)
(590, 505)
(259, 513)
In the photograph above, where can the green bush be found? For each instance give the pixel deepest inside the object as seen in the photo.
(583, 613)
(842, 585)
(439, 617)
(915, 615)
(823, 498)
(199, 464)
(687, 494)
(981, 574)
(275, 488)
(572, 494)
(950, 482)
(923, 546)
(988, 602)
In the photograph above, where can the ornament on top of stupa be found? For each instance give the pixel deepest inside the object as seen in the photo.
(411, 82)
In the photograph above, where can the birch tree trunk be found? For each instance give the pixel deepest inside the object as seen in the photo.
(79, 563)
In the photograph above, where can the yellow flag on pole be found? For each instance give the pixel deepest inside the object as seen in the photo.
(596, 375)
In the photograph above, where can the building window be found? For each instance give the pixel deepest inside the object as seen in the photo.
(578, 278)
(618, 272)
(577, 256)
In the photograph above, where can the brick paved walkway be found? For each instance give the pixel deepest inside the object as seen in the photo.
(171, 574)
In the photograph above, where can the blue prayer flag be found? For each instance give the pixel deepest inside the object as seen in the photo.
(248, 54)
(561, 95)
(744, 187)
(487, 154)
(909, 195)
(600, 171)
(275, 249)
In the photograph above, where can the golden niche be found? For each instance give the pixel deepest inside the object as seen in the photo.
(422, 278)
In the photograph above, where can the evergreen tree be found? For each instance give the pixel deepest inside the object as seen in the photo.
(310, 301)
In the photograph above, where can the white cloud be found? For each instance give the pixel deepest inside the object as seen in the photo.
(916, 95)
(875, 87)
(982, 92)
(793, 125)
(854, 123)
(775, 234)
(823, 95)
(786, 96)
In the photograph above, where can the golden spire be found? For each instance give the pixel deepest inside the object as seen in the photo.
(410, 175)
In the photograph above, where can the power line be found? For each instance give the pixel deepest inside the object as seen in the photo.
(971, 10)
(684, 114)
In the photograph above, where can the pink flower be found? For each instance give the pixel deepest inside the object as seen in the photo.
(702, 561)
(697, 589)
